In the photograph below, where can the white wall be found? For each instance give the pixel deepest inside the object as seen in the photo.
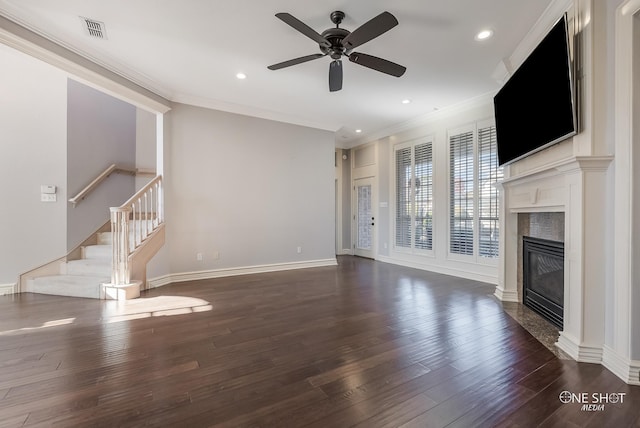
(435, 126)
(247, 190)
(101, 131)
(33, 139)
(146, 150)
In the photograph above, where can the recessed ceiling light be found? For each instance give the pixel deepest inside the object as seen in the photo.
(241, 76)
(484, 34)
(406, 101)
(358, 131)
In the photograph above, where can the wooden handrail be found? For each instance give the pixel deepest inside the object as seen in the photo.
(103, 176)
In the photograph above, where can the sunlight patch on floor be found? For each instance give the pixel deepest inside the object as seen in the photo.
(44, 325)
(160, 306)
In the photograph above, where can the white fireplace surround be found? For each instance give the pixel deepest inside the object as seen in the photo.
(575, 186)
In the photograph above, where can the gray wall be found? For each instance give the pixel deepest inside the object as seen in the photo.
(146, 150)
(250, 190)
(101, 130)
(32, 153)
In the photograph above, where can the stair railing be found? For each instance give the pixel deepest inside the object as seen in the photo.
(111, 169)
(131, 224)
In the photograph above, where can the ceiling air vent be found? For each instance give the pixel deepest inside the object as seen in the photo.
(94, 28)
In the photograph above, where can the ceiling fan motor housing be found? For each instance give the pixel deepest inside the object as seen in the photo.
(335, 37)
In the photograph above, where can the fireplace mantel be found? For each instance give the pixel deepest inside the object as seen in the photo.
(575, 185)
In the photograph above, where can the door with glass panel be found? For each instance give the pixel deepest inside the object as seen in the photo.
(364, 218)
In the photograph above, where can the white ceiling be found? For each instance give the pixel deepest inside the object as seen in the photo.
(190, 51)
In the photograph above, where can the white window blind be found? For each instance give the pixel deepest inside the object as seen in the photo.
(414, 196)
(461, 186)
(488, 175)
(403, 197)
(423, 200)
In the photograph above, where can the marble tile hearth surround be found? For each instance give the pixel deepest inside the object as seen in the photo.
(545, 332)
(543, 225)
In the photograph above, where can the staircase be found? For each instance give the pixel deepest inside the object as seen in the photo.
(115, 266)
(79, 278)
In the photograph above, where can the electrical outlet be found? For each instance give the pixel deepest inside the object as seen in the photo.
(215, 255)
(299, 250)
(199, 257)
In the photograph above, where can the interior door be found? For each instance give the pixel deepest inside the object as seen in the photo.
(364, 218)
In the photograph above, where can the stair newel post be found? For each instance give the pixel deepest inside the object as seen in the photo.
(120, 270)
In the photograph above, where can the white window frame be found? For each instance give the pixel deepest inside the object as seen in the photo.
(476, 258)
(493, 261)
(412, 248)
(471, 129)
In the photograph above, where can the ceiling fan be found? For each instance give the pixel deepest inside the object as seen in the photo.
(338, 42)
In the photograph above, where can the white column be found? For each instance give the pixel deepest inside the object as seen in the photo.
(507, 288)
(622, 348)
(585, 259)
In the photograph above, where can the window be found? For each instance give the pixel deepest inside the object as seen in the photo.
(414, 196)
(461, 186)
(423, 198)
(473, 174)
(403, 197)
(488, 175)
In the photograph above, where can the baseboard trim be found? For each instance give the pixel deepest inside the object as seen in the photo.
(6, 289)
(626, 369)
(346, 252)
(245, 270)
(580, 353)
(506, 296)
(439, 269)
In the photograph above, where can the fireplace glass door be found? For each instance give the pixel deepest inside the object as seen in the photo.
(543, 278)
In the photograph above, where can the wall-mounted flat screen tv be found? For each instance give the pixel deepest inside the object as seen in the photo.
(536, 107)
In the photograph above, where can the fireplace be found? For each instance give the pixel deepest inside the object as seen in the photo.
(543, 278)
(556, 181)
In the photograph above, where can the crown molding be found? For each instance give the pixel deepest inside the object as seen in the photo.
(79, 65)
(425, 119)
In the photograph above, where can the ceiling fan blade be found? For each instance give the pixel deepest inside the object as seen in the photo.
(377, 64)
(370, 30)
(294, 61)
(335, 75)
(303, 28)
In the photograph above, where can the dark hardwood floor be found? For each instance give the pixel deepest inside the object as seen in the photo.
(362, 344)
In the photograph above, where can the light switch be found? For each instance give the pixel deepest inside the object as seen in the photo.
(48, 197)
(48, 189)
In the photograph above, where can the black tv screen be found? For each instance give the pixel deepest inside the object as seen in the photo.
(535, 107)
